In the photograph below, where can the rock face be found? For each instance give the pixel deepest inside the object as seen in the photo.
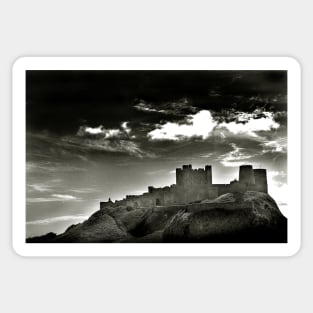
(242, 218)
(100, 227)
(233, 217)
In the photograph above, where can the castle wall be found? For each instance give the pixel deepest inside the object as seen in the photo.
(132, 201)
(104, 205)
(155, 197)
(221, 188)
(187, 194)
(212, 192)
(170, 196)
(236, 186)
(146, 200)
(195, 186)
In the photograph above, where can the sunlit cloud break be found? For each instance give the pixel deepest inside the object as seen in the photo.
(250, 123)
(105, 133)
(200, 125)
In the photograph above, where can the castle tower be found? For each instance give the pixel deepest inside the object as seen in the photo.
(208, 172)
(187, 176)
(179, 177)
(246, 175)
(260, 180)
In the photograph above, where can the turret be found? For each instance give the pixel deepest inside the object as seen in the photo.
(187, 176)
(208, 171)
(260, 180)
(246, 175)
(179, 177)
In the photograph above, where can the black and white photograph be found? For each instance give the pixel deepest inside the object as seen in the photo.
(156, 156)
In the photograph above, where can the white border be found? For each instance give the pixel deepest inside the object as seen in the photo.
(156, 63)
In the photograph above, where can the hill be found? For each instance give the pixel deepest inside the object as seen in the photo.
(231, 218)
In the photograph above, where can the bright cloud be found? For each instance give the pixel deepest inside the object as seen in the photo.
(125, 127)
(92, 131)
(64, 197)
(250, 123)
(105, 133)
(100, 130)
(200, 124)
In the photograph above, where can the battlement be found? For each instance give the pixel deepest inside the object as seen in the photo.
(194, 185)
(187, 176)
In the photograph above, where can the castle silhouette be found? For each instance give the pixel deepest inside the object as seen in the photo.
(194, 185)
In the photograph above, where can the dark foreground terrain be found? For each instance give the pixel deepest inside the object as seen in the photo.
(252, 217)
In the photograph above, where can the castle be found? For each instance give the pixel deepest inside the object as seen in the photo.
(194, 185)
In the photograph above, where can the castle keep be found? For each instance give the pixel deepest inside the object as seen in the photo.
(194, 185)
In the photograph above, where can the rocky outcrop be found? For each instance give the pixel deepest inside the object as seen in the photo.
(242, 218)
(100, 227)
(234, 217)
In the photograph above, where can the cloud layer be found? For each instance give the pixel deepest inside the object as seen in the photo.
(251, 123)
(200, 125)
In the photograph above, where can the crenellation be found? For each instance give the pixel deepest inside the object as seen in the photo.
(195, 185)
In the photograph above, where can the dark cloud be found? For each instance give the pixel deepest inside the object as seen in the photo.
(61, 101)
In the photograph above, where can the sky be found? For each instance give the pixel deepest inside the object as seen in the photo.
(91, 135)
